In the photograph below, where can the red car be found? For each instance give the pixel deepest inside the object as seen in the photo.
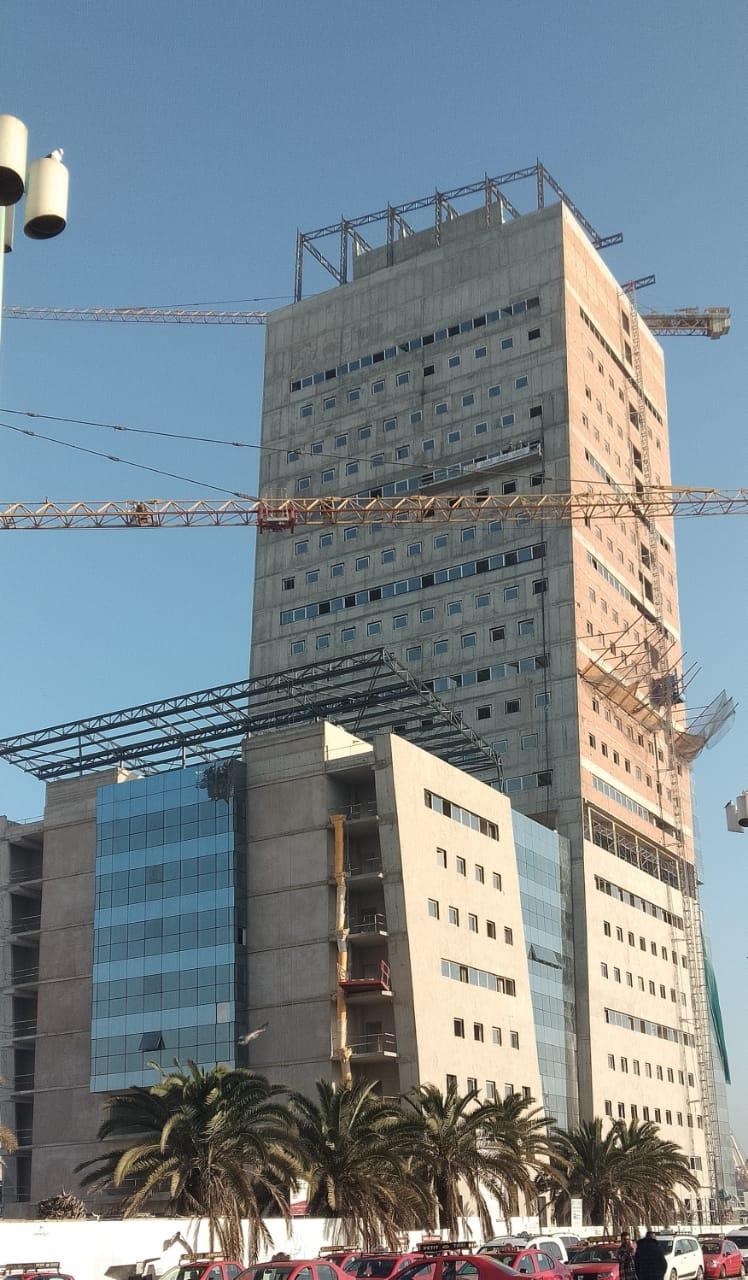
(33, 1271)
(304, 1269)
(596, 1262)
(208, 1266)
(530, 1262)
(454, 1265)
(380, 1265)
(722, 1257)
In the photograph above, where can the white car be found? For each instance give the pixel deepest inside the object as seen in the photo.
(683, 1255)
(739, 1237)
(553, 1245)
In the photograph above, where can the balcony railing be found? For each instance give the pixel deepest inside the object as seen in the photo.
(18, 875)
(376, 922)
(23, 1027)
(30, 973)
(365, 866)
(23, 1082)
(364, 809)
(379, 982)
(24, 1137)
(382, 1045)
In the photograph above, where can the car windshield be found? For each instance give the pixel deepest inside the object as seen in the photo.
(665, 1245)
(711, 1246)
(379, 1268)
(594, 1254)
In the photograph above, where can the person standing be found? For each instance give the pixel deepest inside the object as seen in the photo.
(649, 1260)
(625, 1258)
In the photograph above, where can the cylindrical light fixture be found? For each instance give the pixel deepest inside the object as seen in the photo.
(13, 147)
(46, 209)
(8, 232)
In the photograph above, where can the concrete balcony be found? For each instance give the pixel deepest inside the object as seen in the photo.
(369, 930)
(26, 925)
(23, 1028)
(364, 873)
(381, 1047)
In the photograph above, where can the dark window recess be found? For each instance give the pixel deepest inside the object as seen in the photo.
(536, 411)
(151, 1040)
(536, 480)
(532, 334)
(428, 369)
(378, 357)
(288, 584)
(478, 321)
(545, 778)
(509, 486)
(532, 303)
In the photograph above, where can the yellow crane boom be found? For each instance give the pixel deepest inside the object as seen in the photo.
(285, 514)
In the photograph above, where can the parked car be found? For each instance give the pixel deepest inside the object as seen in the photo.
(683, 1255)
(209, 1266)
(453, 1264)
(740, 1238)
(551, 1244)
(32, 1271)
(341, 1255)
(722, 1257)
(295, 1269)
(599, 1261)
(530, 1261)
(379, 1265)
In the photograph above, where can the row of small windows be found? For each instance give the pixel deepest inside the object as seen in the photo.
(631, 937)
(481, 462)
(478, 977)
(448, 809)
(420, 582)
(453, 917)
(634, 900)
(483, 675)
(458, 1025)
(643, 1025)
(652, 985)
(528, 781)
(612, 753)
(617, 361)
(655, 1113)
(633, 806)
(491, 1094)
(438, 408)
(468, 533)
(442, 860)
(417, 344)
(660, 1072)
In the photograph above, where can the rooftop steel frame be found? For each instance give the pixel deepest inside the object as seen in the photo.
(364, 693)
(496, 204)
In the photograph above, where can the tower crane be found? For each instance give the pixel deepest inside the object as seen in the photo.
(707, 322)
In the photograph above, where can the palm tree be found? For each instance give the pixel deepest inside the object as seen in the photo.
(470, 1148)
(628, 1174)
(355, 1152)
(8, 1142)
(213, 1142)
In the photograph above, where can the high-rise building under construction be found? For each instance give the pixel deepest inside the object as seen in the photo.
(486, 355)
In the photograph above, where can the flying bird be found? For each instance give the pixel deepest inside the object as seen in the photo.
(253, 1035)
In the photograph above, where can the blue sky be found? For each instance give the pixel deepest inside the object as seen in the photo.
(199, 136)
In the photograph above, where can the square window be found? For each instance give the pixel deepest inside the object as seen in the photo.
(542, 699)
(507, 344)
(297, 647)
(350, 533)
(328, 475)
(469, 640)
(453, 915)
(467, 534)
(484, 712)
(416, 417)
(494, 391)
(301, 548)
(413, 653)
(402, 452)
(336, 570)
(480, 874)
(461, 866)
(507, 420)
(427, 445)
(478, 1031)
(440, 646)
(377, 387)
(491, 928)
(532, 334)
(312, 575)
(509, 486)
(467, 400)
(539, 586)
(459, 1028)
(354, 394)
(480, 353)
(512, 706)
(306, 411)
(341, 441)
(373, 628)
(480, 428)
(433, 908)
(428, 370)
(453, 437)
(364, 433)
(317, 446)
(483, 600)
(402, 379)
(454, 608)
(511, 593)
(441, 857)
(441, 408)
(351, 468)
(529, 741)
(325, 540)
(415, 548)
(388, 555)
(390, 424)
(323, 641)
(362, 562)
(427, 614)
(377, 459)
(501, 746)
(289, 584)
(472, 923)
(440, 540)
(399, 621)
(526, 627)
(497, 634)
(293, 455)
(454, 362)
(329, 402)
(514, 1039)
(472, 1084)
(347, 634)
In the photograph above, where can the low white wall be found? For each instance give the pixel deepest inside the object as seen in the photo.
(108, 1249)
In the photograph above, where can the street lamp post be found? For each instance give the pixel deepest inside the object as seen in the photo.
(44, 183)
